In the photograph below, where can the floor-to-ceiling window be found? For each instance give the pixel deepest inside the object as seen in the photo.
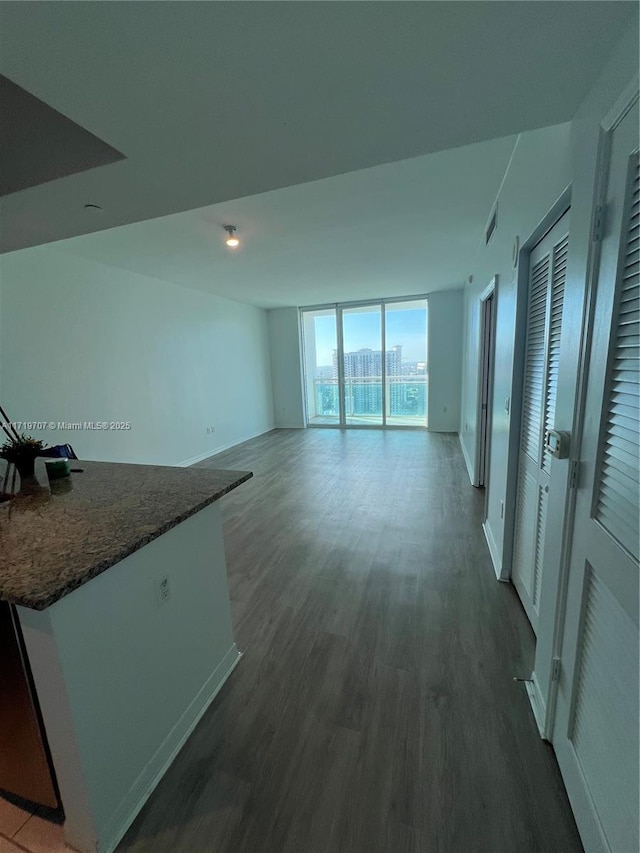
(362, 364)
(320, 341)
(365, 364)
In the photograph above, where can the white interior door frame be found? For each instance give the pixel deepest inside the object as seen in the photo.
(483, 415)
(557, 210)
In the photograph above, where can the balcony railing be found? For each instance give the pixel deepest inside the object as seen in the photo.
(406, 399)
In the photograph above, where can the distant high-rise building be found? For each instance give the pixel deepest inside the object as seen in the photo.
(367, 363)
(363, 372)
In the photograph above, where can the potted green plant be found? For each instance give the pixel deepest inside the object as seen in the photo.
(22, 451)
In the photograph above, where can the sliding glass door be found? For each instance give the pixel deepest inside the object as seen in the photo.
(320, 340)
(406, 380)
(365, 365)
(362, 365)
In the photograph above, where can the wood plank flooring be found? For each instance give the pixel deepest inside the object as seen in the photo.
(374, 709)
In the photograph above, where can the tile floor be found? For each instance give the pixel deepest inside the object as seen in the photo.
(21, 831)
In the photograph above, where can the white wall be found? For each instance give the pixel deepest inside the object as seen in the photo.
(82, 341)
(286, 367)
(540, 169)
(445, 360)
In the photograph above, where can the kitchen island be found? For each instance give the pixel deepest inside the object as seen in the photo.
(117, 580)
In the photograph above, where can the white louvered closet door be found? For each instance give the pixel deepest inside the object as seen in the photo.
(547, 273)
(595, 731)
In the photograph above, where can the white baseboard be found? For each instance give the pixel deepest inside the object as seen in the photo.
(290, 426)
(467, 461)
(147, 781)
(493, 550)
(537, 703)
(220, 448)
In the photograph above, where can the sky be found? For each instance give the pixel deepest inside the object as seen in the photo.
(404, 327)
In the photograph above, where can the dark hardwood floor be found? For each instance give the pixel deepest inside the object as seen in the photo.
(374, 709)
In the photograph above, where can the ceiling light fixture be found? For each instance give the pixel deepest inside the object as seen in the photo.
(231, 241)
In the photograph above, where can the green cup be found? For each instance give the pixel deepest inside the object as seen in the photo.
(57, 467)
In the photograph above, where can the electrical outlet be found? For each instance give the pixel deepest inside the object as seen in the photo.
(163, 589)
(211, 430)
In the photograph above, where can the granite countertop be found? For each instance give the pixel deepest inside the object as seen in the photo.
(54, 538)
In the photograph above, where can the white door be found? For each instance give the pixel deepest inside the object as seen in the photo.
(595, 732)
(547, 272)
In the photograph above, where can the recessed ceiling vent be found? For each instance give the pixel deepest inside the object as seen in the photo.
(491, 227)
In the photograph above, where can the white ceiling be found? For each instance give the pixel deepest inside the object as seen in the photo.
(211, 101)
(403, 228)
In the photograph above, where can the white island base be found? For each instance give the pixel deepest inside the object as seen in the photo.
(123, 673)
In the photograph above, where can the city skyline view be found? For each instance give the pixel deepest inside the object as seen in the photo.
(404, 327)
(368, 383)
